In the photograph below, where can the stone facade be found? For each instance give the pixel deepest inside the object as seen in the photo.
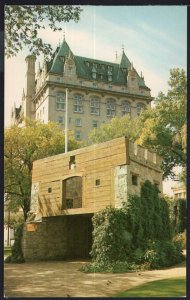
(97, 91)
(67, 189)
(57, 238)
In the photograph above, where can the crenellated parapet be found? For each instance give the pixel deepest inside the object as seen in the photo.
(144, 156)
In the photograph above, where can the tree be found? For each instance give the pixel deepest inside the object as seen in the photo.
(23, 145)
(164, 129)
(23, 22)
(118, 127)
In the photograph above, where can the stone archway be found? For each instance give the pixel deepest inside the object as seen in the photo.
(72, 192)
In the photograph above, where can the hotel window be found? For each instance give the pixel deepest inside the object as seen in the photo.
(110, 87)
(95, 106)
(60, 101)
(111, 108)
(60, 119)
(78, 135)
(78, 122)
(140, 107)
(78, 103)
(109, 77)
(95, 124)
(125, 108)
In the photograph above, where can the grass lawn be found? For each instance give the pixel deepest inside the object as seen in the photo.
(174, 287)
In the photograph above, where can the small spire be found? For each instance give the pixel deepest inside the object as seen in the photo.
(141, 75)
(122, 46)
(116, 54)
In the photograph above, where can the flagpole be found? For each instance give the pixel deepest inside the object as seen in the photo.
(66, 122)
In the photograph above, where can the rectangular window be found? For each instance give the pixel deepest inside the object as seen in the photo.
(60, 119)
(72, 162)
(94, 84)
(95, 106)
(125, 108)
(60, 101)
(95, 124)
(97, 182)
(134, 180)
(78, 122)
(78, 104)
(78, 135)
(111, 108)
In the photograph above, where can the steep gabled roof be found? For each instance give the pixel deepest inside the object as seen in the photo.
(85, 65)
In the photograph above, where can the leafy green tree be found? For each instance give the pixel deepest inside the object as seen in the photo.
(23, 23)
(23, 145)
(164, 129)
(118, 127)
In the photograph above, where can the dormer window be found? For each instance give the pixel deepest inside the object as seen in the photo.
(109, 74)
(94, 71)
(94, 75)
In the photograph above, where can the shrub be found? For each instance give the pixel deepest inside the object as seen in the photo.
(163, 254)
(17, 255)
(138, 234)
(114, 267)
(181, 237)
(111, 239)
(178, 215)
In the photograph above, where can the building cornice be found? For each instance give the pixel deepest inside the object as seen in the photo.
(91, 89)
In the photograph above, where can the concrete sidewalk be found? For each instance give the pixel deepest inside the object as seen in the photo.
(63, 279)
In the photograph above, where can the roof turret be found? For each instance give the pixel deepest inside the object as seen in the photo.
(62, 52)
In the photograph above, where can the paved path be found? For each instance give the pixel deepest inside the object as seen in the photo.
(60, 279)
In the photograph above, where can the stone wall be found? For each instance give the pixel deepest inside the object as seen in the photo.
(120, 185)
(58, 238)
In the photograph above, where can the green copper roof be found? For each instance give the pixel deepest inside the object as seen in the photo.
(84, 66)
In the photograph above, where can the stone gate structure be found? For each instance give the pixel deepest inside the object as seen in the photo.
(67, 189)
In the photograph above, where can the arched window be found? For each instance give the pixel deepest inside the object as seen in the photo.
(140, 107)
(111, 108)
(60, 101)
(72, 192)
(95, 105)
(78, 103)
(125, 107)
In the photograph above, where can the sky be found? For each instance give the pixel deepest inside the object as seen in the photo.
(154, 39)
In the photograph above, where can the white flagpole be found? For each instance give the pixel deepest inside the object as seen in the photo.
(66, 122)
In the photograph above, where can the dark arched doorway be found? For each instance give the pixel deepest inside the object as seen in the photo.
(72, 192)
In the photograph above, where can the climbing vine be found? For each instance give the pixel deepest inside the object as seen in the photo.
(137, 234)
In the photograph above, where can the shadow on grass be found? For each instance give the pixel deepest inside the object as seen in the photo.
(160, 288)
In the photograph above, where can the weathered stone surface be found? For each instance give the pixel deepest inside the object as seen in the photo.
(58, 238)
